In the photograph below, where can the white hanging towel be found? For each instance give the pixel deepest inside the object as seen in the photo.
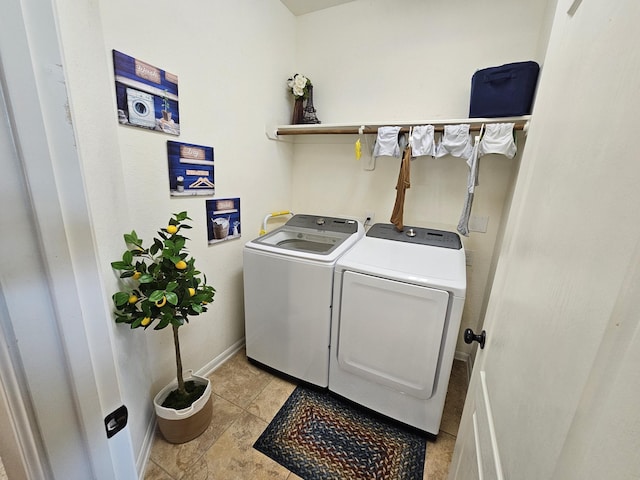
(498, 138)
(422, 141)
(387, 142)
(456, 141)
(386, 145)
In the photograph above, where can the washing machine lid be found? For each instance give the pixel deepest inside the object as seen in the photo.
(313, 237)
(436, 261)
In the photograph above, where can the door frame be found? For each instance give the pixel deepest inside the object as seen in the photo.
(34, 86)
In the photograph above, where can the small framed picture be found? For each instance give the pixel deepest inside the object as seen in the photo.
(223, 219)
(190, 169)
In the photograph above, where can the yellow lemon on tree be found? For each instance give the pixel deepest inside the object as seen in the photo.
(172, 229)
(181, 265)
(137, 275)
(145, 321)
(192, 291)
(161, 303)
(133, 299)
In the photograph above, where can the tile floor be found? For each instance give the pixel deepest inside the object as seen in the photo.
(245, 399)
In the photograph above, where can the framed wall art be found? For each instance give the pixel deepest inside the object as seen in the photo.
(223, 219)
(147, 96)
(190, 169)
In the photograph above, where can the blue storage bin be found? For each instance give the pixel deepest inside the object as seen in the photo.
(504, 91)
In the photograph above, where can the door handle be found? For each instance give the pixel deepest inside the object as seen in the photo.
(470, 337)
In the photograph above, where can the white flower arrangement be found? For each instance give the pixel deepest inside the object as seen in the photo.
(299, 86)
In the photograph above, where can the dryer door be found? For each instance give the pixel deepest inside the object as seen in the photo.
(390, 332)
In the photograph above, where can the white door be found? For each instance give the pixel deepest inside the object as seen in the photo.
(57, 378)
(554, 393)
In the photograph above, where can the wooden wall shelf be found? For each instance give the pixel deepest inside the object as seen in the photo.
(521, 123)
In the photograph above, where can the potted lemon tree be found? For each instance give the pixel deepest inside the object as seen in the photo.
(161, 288)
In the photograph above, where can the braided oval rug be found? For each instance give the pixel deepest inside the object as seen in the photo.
(320, 437)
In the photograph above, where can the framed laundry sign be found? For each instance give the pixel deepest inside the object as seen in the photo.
(147, 96)
(190, 169)
(223, 219)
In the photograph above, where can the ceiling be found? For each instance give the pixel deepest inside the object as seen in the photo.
(300, 7)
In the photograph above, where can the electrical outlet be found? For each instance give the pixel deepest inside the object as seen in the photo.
(478, 223)
(369, 217)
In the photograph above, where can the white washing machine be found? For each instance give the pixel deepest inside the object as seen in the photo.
(398, 300)
(288, 286)
(141, 109)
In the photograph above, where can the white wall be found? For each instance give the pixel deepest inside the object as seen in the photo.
(231, 60)
(374, 61)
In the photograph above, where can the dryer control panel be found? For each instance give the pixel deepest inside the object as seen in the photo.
(418, 235)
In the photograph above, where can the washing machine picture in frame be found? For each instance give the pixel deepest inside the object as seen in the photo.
(146, 96)
(223, 219)
(191, 171)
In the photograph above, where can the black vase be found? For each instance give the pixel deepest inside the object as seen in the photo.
(309, 113)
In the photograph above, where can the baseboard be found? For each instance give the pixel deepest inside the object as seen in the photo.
(205, 371)
(209, 368)
(147, 443)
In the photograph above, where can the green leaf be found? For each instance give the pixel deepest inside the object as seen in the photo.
(172, 286)
(181, 216)
(127, 274)
(172, 298)
(156, 295)
(157, 246)
(164, 321)
(127, 257)
(136, 323)
(132, 238)
(179, 243)
(146, 278)
(121, 265)
(185, 226)
(197, 307)
(120, 298)
(146, 308)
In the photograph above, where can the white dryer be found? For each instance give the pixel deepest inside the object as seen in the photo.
(398, 300)
(288, 287)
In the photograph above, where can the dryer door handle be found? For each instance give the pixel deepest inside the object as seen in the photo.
(470, 337)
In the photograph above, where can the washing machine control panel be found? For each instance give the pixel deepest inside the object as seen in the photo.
(327, 224)
(419, 235)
